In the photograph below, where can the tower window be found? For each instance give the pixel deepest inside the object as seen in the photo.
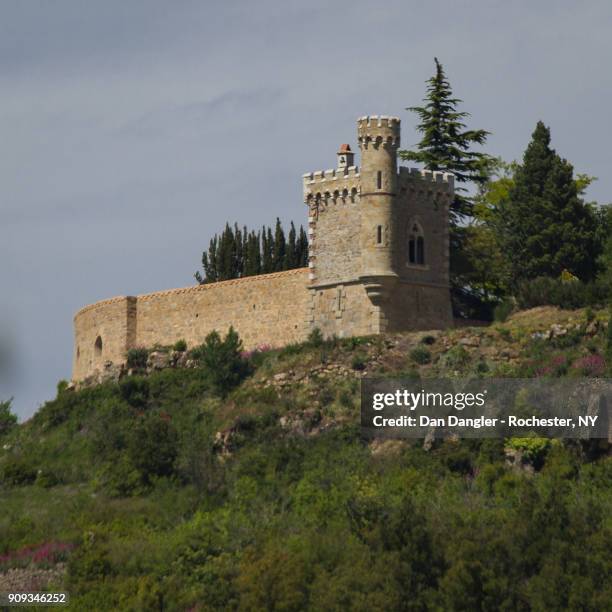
(98, 346)
(416, 245)
(379, 234)
(379, 180)
(420, 250)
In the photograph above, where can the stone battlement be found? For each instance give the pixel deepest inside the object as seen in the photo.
(442, 181)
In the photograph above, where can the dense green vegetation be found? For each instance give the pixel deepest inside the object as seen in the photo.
(173, 491)
(240, 252)
(512, 224)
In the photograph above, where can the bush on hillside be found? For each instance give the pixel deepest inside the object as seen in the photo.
(222, 360)
(8, 420)
(545, 291)
(420, 355)
(180, 346)
(137, 358)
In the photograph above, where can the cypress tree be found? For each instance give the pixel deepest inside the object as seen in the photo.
(270, 253)
(446, 144)
(291, 250)
(544, 227)
(209, 264)
(266, 260)
(237, 252)
(227, 254)
(302, 249)
(253, 255)
(278, 253)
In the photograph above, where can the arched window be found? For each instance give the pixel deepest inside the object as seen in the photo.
(416, 245)
(98, 347)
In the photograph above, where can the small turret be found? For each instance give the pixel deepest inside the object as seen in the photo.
(345, 157)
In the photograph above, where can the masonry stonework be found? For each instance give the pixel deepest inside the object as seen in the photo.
(378, 261)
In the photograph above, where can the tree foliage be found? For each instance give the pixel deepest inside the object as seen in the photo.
(543, 226)
(8, 420)
(240, 252)
(447, 145)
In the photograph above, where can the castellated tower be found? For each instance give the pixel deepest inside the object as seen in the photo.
(378, 240)
(378, 262)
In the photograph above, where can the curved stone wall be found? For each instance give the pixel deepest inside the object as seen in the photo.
(267, 309)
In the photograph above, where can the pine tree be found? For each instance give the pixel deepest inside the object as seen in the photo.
(544, 227)
(446, 144)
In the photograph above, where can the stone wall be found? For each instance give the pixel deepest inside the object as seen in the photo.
(267, 309)
(335, 248)
(102, 332)
(343, 310)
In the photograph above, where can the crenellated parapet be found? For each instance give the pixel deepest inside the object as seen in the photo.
(324, 186)
(377, 130)
(426, 180)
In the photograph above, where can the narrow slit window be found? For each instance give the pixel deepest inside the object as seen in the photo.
(379, 180)
(379, 234)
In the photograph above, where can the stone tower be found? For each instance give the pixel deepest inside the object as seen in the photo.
(379, 139)
(378, 240)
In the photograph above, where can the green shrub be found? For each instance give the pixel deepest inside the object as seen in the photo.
(358, 362)
(17, 471)
(315, 338)
(135, 391)
(457, 357)
(153, 447)
(62, 385)
(545, 291)
(420, 355)
(532, 449)
(353, 342)
(8, 420)
(180, 346)
(223, 361)
(46, 479)
(137, 358)
(503, 310)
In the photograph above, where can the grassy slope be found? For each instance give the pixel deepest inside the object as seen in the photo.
(270, 499)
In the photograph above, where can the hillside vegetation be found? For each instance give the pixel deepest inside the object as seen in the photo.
(243, 483)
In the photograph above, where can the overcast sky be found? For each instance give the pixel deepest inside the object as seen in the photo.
(131, 131)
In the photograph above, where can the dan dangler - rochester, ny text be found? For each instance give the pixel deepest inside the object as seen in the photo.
(485, 407)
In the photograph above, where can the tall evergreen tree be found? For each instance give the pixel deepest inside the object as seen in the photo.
(302, 249)
(238, 252)
(446, 145)
(291, 250)
(544, 227)
(279, 249)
